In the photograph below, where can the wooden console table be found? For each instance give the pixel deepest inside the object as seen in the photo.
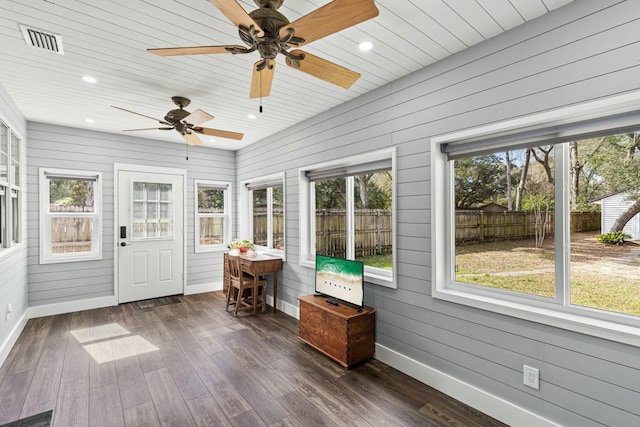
(340, 332)
(257, 265)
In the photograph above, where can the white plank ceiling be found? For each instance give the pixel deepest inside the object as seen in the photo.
(107, 39)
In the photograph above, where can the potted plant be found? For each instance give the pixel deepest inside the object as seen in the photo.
(242, 246)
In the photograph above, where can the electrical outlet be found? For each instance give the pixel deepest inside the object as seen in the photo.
(531, 377)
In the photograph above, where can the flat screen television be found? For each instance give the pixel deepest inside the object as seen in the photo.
(340, 279)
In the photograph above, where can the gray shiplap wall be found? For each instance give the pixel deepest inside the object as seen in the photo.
(70, 148)
(13, 262)
(582, 52)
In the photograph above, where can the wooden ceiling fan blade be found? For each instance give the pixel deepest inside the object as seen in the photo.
(261, 80)
(136, 130)
(324, 70)
(198, 117)
(164, 122)
(331, 18)
(236, 14)
(192, 139)
(219, 133)
(193, 50)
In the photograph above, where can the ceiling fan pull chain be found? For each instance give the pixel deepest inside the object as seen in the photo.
(260, 91)
(187, 156)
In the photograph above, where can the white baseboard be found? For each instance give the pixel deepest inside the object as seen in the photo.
(203, 287)
(491, 405)
(71, 306)
(10, 341)
(285, 307)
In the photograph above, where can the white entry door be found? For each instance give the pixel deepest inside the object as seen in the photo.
(150, 235)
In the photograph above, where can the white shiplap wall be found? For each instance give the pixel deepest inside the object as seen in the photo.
(582, 52)
(70, 148)
(13, 262)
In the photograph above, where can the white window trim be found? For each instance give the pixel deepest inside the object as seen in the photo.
(307, 227)
(46, 257)
(246, 213)
(10, 245)
(228, 216)
(611, 326)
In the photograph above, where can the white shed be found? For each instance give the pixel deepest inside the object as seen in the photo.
(612, 206)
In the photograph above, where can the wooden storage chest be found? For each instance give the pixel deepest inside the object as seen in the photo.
(340, 332)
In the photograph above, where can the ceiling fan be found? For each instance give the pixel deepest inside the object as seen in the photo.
(185, 123)
(270, 33)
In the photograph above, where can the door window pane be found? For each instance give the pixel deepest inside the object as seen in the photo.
(152, 210)
(4, 152)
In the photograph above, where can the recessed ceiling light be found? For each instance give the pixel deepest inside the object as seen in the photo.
(212, 140)
(89, 120)
(89, 79)
(365, 46)
(251, 116)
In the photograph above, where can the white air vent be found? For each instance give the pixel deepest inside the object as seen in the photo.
(42, 39)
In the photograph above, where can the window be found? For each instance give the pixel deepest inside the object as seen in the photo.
(10, 187)
(519, 226)
(70, 216)
(351, 213)
(213, 215)
(265, 219)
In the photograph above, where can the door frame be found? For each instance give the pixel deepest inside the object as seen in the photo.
(117, 167)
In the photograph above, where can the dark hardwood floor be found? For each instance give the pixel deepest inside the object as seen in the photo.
(191, 363)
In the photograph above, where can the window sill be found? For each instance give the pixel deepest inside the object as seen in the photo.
(273, 252)
(75, 258)
(212, 248)
(570, 320)
(4, 252)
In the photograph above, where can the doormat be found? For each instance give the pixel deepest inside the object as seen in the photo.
(154, 302)
(38, 420)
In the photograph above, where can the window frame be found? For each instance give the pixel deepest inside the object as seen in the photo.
(246, 214)
(307, 202)
(12, 227)
(46, 256)
(227, 186)
(601, 117)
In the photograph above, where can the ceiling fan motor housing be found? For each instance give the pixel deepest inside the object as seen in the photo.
(175, 116)
(270, 20)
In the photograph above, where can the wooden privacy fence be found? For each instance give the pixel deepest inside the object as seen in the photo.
(372, 232)
(478, 226)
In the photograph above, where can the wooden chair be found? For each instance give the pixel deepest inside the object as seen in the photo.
(240, 290)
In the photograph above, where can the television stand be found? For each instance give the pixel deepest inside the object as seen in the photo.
(341, 332)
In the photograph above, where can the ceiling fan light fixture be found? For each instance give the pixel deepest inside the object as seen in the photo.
(365, 46)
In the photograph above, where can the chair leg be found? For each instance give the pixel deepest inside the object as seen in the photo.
(229, 290)
(264, 297)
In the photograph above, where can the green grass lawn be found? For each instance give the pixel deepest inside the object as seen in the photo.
(598, 280)
(379, 261)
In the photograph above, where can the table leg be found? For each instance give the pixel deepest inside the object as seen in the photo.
(255, 295)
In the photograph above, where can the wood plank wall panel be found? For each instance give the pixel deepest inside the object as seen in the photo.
(13, 263)
(70, 148)
(581, 52)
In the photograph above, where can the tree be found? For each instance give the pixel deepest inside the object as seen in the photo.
(631, 180)
(507, 160)
(544, 158)
(478, 180)
(523, 179)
